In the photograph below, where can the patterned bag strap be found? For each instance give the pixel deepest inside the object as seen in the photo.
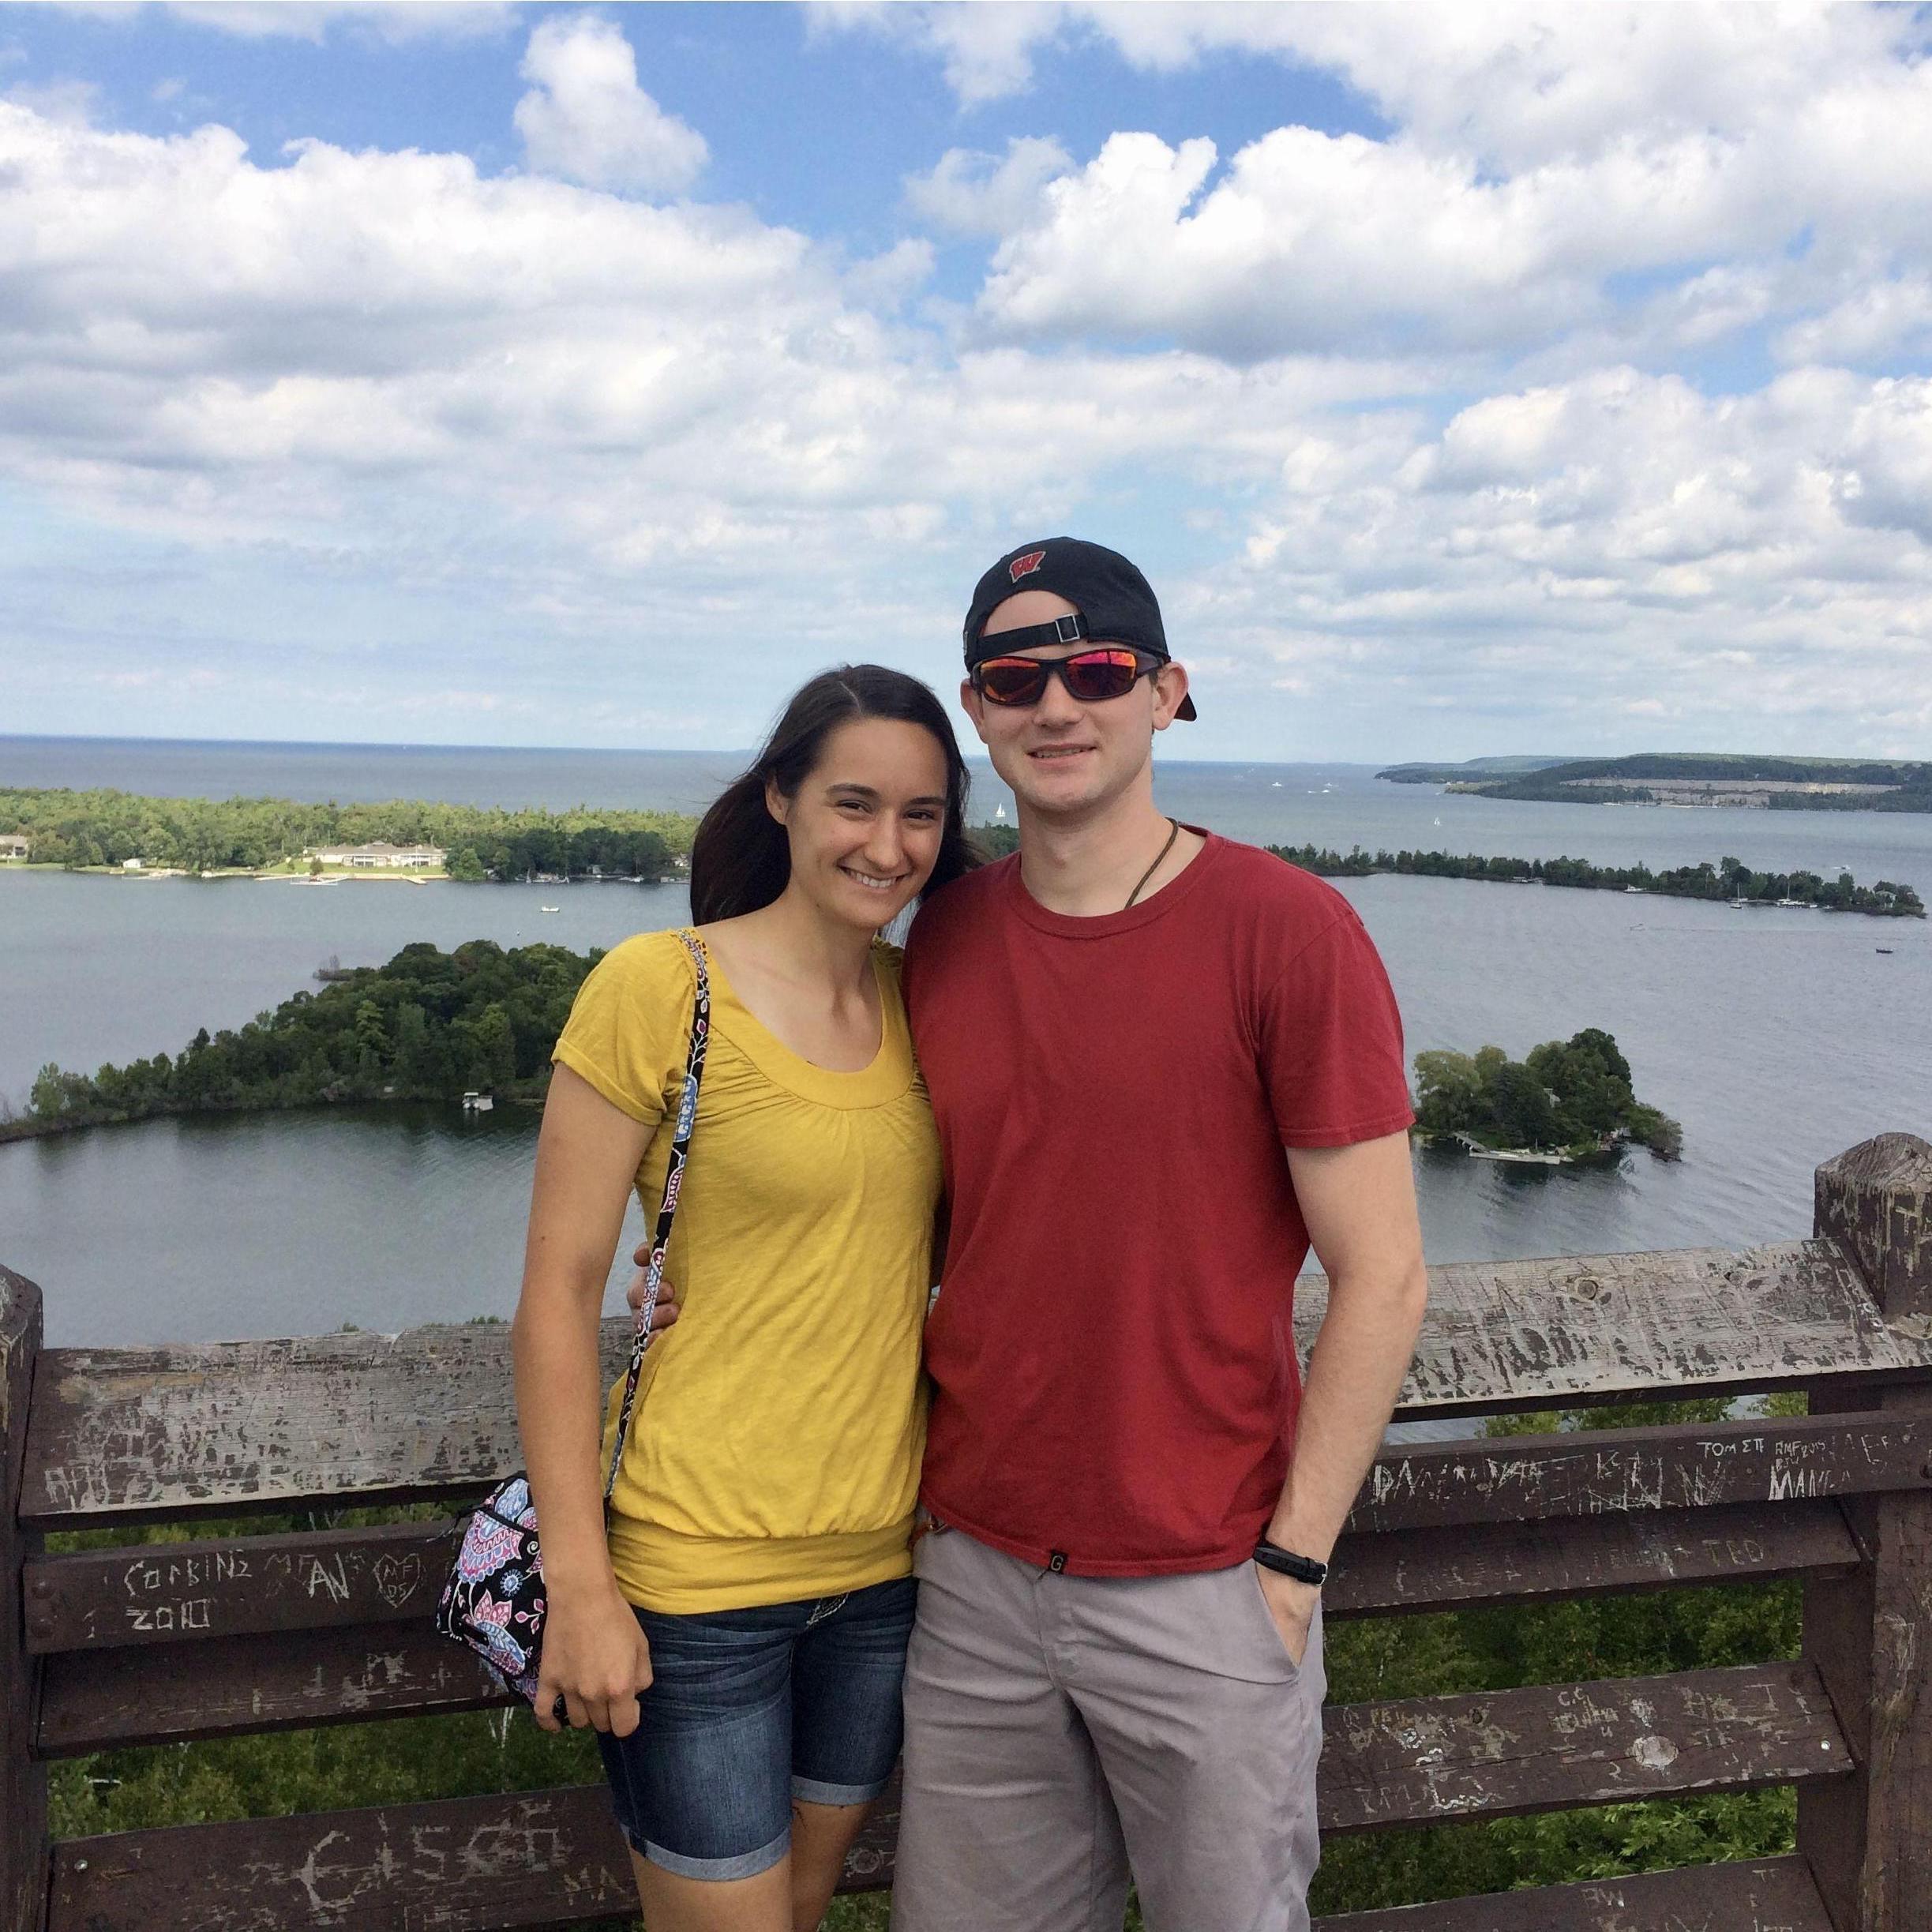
(673, 1185)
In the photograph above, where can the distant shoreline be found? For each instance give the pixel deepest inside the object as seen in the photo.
(1727, 883)
(1693, 781)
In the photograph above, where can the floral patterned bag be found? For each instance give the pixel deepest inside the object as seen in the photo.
(494, 1600)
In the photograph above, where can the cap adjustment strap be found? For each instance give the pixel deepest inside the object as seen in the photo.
(1068, 630)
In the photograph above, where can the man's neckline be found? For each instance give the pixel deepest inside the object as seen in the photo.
(1099, 925)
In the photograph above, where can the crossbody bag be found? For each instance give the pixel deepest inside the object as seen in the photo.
(493, 1601)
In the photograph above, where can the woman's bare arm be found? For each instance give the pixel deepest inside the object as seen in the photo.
(594, 1655)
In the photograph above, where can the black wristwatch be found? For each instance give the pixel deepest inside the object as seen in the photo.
(1302, 1569)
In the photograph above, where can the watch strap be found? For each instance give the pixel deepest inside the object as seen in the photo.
(1302, 1569)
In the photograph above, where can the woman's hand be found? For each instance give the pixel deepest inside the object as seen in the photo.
(595, 1659)
(665, 1312)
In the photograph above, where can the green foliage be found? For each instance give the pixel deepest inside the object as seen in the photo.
(426, 1026)
(1726, 880)
(1574, 1093)
(204, 834)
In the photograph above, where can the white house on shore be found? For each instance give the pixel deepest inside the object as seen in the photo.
(14, 845)
(382, 857)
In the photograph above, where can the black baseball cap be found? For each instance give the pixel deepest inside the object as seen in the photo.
(1115, 603)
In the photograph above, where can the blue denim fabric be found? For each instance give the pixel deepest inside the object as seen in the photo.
(748, 1709)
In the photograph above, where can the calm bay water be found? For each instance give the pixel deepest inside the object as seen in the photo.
(1777, 1037)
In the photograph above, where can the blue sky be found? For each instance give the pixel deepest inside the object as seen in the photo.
(1466, 380)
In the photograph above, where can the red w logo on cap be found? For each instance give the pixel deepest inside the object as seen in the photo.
(1026, 566)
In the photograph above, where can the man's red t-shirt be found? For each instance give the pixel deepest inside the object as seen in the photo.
(1114, 1380)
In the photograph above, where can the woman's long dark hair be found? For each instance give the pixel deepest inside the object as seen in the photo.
(741, 858)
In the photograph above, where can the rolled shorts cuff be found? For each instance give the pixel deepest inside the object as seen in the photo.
(746, 1865)
(816, 1791)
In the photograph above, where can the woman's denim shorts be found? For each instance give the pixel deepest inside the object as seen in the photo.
(749, 1709)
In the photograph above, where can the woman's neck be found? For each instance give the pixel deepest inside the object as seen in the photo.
(793, 936)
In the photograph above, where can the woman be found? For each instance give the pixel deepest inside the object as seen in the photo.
(736, 1638)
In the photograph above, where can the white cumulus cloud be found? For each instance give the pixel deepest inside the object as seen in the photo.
(586, 118)
(971, 192)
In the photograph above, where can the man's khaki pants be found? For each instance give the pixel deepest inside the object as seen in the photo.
(1059, 1730)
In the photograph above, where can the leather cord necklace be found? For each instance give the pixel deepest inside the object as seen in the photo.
(1173, 833)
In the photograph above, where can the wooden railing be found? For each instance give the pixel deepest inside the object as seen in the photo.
(142, 1644)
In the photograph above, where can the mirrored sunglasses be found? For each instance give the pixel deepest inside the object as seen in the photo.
(1092, 676)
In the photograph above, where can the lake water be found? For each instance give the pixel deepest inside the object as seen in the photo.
(1777, 1038)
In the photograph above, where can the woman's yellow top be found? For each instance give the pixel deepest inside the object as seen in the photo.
(774, 1451)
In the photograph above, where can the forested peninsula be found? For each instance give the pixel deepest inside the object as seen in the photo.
(1729, 882)
(1694, 779)
(116, 831)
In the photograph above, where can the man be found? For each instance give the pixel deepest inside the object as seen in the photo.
(1162, 1064)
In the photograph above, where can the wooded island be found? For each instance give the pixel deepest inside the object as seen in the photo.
(1567, 1099)
(1730, 881)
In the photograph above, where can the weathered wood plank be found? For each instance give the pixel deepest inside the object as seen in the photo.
(168, 1593)
(130, 1434)
(94, 1700)
(519, 1863)
(1685, 1465)
(142, 1432)
(1693, 1321)
(538, 1859)
(531, 1860)
(23, 1783)
(1869, 1839)
(1776, 1896)
(1551, 1747)
(163, 1594)
(1441, 1569)
(176, 1592)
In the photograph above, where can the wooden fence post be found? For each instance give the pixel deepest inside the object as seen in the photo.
(1868, 1838)
(23, 1783)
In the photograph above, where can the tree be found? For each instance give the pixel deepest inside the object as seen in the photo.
(371, 1035)
(53, 1093)
(420, 1064)
(495, 1059)
(1449, 1091)
(1522, 1107)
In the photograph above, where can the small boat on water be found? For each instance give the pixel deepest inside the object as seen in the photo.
(1883, 949)
(473, 1102)
(549, 908)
